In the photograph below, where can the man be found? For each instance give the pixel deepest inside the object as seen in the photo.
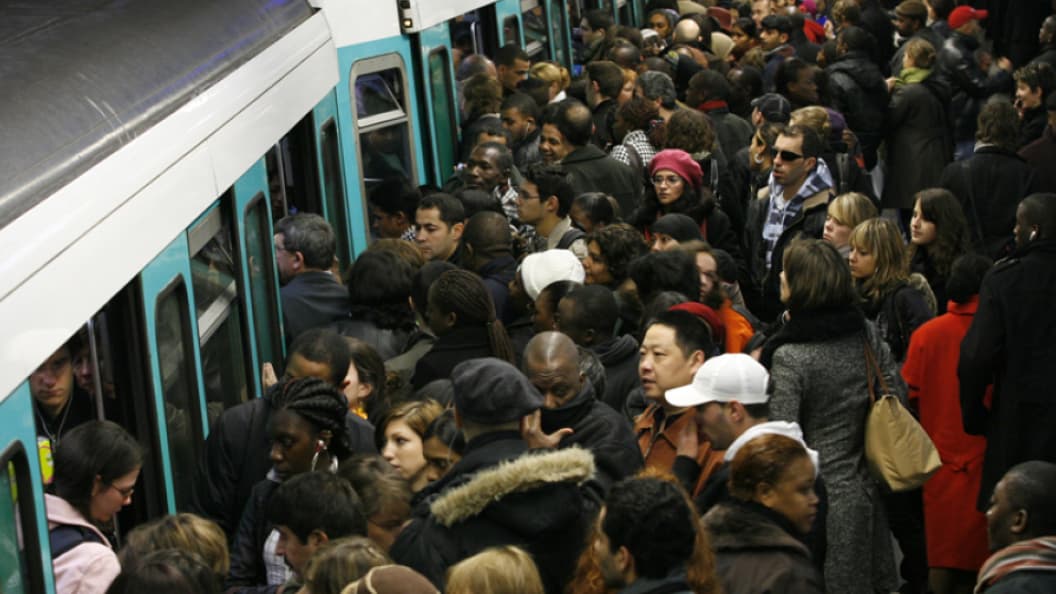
(771, 107)
(1035, 83)
(794, 203)
(857, 89)
(1047, 38)
(543, 203)
(488, 251)
(511, 65)
(308, 511)
(911, 21)
(1009, 345)
(626, 55)
(774, 32)
(594, 28)
(739, 329)
(520, 116)
(305, 247)
(971, 86)
(551, 363)
(440, 220)
(58, 403)
(796, 82)
(604, 81)
(660, 89)
(236, 454)
(1041, 153)
(565, 139)
(709, 92)
(645, 537)
(1021, 524)
(760, 10)
(489, 168)
(392, 206)
(673, 349)
(499, 493)
(588, 316)
(991, 182)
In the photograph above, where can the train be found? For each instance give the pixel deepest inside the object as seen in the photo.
(148, 151)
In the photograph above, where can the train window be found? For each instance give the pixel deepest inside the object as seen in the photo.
(511, 30)
(20, 571)
(443, 108)
(334, 189)
(260, 257)
(536, 33)
(379, 86)
(558, 26)
(218, 305)
(179, 394)
(292, 178)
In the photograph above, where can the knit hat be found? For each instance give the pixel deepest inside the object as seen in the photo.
(490, 391)
(708, 315)
(679, 226)
(391, 579)
(542, 268)
(681, 163)
(962, 14)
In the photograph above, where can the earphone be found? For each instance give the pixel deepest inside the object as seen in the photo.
(1033, 235)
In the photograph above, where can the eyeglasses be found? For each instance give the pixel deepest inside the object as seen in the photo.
(785, 155)
(668, 179)
(126, 492)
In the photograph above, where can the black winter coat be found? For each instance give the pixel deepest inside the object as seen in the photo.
(247, 572)
(990, 184)
(971, 87)
(857, 90)
(1010, 345)
(919, 141)
(1040, 155)
(1033, 125)
(591, 170)
(312, 299)
(620, 357)
(756, 552)
(500, 494)
(897, 315)
(458, 345)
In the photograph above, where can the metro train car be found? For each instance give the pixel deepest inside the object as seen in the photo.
(148, 150)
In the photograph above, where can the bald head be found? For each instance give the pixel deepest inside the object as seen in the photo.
(474, 64)
(1048, 29)
(551, 363)
(686, 31)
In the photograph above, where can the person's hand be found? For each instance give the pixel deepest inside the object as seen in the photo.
(532, 432)
(850, 140)
(687, 442)
(830, 31)
(890, 83)
(267, 376)
(1004, 64)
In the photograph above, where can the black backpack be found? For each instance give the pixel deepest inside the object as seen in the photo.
(571, 236)
(65, 538)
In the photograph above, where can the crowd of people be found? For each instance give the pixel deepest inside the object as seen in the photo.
(629, 346)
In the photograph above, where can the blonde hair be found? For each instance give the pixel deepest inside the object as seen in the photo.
(498, 570)
(852, 209)
(341, 562)
(881, 238)
(815, 118)
(416, 413)
(629, 76)
(921, 52)
(185, 532)
(551, 73)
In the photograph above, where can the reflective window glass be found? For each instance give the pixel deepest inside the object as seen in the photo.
(443, 109)
(14, 567)
(260, 259)
(334, 189)
(536, 33)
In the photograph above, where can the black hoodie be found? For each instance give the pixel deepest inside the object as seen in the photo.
(620, 357)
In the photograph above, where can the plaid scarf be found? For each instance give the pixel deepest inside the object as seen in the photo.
(1038, 554)
(508, 200)
(782, 212)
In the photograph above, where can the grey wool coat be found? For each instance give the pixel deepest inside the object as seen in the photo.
(819, 380)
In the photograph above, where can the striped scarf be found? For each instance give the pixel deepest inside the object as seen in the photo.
(1038, 554)
(782, 212)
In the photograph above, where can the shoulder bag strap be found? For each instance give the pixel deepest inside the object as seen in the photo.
(873, 372)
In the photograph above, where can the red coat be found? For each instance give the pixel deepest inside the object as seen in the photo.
(955, 530)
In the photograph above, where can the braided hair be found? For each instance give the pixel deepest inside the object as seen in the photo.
(318, 403)
(463, 293)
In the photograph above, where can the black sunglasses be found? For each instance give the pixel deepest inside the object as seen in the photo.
(785, 155)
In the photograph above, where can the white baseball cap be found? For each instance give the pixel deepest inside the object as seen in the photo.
(723, 379)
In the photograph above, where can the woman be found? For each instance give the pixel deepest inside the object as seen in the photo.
(462, 316)
(185, 532)
(938, 235)
(442, 445)
(691, 130)
(639, 125)
(498, 570)
(818, 373)
(662, 20)
(379, 283)
(744, 38)
(555, 76)
(919, 140)
(385, 495)
(307, 430)
(592, 211)
(96, 468)
(630, 81)
(365, 390)
(400, 439)
(168, 571)
(610, 252)
(481, 100)
(340, 562)
(757, 533)
(678, 188)
(878, 265)
(846, 212)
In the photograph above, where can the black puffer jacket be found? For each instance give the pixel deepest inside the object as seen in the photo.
(620, 357)
(971, 87)
(858, 91)
(500, 494)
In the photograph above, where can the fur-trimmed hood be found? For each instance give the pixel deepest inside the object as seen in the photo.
(525, 473)
(736, 525)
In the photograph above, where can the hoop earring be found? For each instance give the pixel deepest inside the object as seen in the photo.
(320, 447)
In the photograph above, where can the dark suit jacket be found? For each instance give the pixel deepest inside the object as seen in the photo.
(310, 300)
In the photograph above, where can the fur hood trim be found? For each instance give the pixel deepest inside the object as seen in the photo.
(736, 526)
(520, 474)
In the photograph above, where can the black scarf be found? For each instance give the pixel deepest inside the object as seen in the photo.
(814, 326)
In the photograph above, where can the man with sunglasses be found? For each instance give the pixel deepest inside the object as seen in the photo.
(793, 204)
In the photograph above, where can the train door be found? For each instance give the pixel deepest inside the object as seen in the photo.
(508, 20)
(547, 31)
(169, 315)
(328, 150)
(439, 101)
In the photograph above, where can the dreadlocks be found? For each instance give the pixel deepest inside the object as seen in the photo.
(318, 403)
(463, 293)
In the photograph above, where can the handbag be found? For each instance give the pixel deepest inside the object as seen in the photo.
(897, 449)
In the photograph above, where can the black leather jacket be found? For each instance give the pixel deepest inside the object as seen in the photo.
(970, 85)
